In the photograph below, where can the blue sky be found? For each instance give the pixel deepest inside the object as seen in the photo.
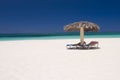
(49, 16)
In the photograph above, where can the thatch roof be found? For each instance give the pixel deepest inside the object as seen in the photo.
(88, 26)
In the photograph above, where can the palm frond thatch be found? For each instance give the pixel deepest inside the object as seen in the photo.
(88, 26)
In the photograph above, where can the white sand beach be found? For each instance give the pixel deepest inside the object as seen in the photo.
(50, 60)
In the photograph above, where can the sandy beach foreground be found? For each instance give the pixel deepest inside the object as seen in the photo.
(50, 60)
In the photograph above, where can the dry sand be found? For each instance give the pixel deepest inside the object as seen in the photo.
(50, 60)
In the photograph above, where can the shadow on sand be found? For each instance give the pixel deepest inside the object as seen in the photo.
(92, 48)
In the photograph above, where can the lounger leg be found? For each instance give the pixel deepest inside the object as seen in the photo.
(88, 47)
(97, 44)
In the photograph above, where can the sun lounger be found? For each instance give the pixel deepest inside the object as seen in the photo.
(78, 45)
(84, 46)
(92, 44)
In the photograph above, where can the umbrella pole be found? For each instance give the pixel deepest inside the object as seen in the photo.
(81, 35)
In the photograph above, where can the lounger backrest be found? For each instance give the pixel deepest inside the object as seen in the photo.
(93, 43)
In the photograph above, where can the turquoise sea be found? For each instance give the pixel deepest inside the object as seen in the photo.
(8, 37)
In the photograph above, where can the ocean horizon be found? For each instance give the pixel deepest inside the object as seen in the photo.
(22, 36)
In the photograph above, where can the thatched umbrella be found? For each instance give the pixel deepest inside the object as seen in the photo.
(82, 26)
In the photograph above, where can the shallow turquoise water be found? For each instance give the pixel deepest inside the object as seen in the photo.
(8, 38)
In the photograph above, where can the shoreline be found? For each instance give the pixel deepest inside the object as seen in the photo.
(56, 37)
